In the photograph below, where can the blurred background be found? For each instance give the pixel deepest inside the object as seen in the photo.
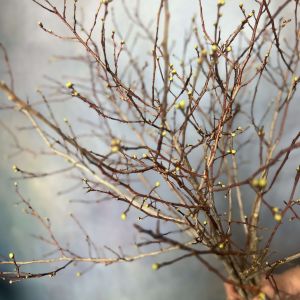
(31, 54)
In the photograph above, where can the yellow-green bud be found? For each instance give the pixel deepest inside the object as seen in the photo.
(214, 47)
(277, 217)
(181, 105)
(228, 48)
(262, 182)
(69, 85)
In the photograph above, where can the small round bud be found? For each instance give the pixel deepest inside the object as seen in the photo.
(115, 145)
(181, 105)
(115, 149)
(214, 47)
(228, 48)
(262, 182)
(69, 85)
(254, 182)
(277, 217)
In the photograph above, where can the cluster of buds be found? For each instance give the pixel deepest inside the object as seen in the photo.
(277, 214)
(115, 145)
(259, 183)
(236, 131)
(172, 72)
(70, 85)
(221, 184)
(231, 151)
(15, 168)
(202, 56)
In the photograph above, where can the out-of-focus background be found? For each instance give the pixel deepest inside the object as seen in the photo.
(30, 51)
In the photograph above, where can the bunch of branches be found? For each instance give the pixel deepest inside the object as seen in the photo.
(187, 125)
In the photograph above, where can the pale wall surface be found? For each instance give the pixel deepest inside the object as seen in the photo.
(29, 50)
